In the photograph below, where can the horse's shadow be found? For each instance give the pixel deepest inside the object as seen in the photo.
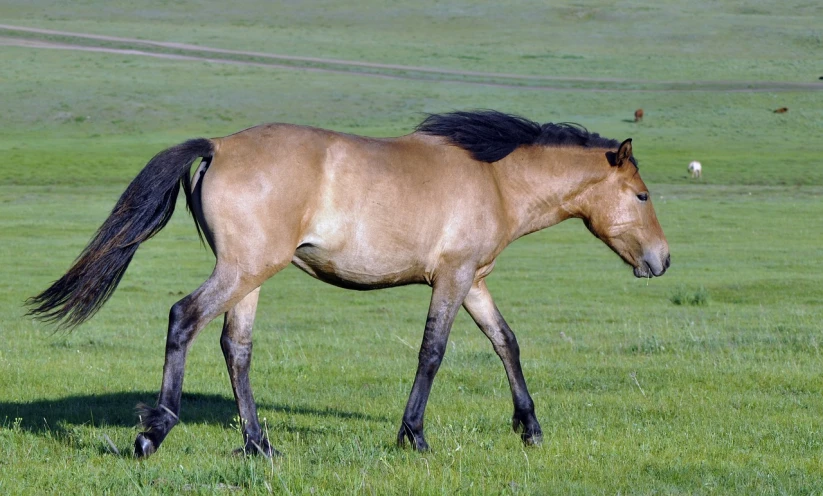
(58, 417)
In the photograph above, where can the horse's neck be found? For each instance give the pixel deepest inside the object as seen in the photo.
(541, 186)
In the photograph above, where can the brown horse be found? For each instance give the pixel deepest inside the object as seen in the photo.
(434, 207)
(638, 115)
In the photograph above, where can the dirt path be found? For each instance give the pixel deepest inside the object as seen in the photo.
(349, 67)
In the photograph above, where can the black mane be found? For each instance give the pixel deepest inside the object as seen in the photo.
(490, 135)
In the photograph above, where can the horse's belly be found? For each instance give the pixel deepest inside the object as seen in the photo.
(358, 269)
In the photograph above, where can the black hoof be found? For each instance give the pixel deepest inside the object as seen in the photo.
(532, 439)
(418, 442)
(143, 446)
(529, 429)
(263, 448)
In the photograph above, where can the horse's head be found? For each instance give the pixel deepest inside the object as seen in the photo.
(618, 210)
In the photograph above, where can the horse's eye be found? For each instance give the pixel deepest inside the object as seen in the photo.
(643, 197)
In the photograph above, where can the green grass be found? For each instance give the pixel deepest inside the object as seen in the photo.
(704, 381)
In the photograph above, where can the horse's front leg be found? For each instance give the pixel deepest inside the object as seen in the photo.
(236, 343)
(481, 307)
(447, 296)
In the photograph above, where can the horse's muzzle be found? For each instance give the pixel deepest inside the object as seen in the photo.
(652, 265)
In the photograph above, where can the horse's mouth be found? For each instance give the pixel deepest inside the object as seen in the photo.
(645, 270)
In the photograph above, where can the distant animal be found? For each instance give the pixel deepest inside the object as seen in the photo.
(433, 207)
(781, 110)
(695, 169)
(638, 115)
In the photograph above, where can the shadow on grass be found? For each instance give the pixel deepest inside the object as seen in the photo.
(56, 416)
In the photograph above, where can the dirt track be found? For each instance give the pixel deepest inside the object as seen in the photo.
(349, 67)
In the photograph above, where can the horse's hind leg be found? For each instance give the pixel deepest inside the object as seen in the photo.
(481, 307)
(236, 343)
(222, 290)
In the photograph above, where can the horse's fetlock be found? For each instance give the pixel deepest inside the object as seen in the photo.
(524, 409)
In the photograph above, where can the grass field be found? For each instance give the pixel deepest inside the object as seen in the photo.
(705, 381)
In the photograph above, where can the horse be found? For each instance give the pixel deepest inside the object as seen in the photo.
(434, 207)
(638, 115)
(695, 169)
(781, 110)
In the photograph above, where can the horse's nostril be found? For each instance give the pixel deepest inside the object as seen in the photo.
(668, 261)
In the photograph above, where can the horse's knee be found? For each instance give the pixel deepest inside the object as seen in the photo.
(226, 344)
(430, 358)
(510, 341)
(236, 352)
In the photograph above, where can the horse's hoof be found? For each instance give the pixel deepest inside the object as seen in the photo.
(143, 446)
(530, 431)
(264, 448)
(533, 439)
(418, 442)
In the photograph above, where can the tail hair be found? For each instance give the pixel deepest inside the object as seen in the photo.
(141, 212)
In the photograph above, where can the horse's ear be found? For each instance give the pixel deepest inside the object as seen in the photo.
(623, 155)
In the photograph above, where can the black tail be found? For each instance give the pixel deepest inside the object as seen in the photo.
(141, 212)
